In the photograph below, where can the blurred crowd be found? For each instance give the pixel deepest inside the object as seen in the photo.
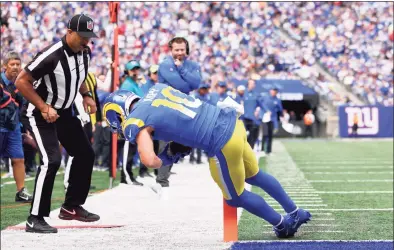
(353, 40)
(230, 40)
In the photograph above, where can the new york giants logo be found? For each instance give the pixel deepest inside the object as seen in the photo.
(368, 119)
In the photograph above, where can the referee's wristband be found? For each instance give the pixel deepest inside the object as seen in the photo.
(88, 93)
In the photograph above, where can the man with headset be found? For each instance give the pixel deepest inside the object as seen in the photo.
(176, 70)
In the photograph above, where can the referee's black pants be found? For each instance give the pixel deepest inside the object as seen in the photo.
(69, 132)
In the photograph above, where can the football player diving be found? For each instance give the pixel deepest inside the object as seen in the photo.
(167, 114)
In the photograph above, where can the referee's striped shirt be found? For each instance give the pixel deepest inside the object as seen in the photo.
(59, 73)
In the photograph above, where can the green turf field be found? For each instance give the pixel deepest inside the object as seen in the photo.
(14, 213)
(336, 175)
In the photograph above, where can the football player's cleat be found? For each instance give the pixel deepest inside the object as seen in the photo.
(292, 222)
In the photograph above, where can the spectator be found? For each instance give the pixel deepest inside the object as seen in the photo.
(132, 72)
(220, 94)
(309, 120)
(10, 130)
(153, 78)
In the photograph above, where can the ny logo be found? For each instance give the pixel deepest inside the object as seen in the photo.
(90, 25)
(368, 119)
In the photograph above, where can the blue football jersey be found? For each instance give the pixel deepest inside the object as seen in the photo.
(181, 118)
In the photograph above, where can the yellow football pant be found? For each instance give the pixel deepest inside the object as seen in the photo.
(234, 163)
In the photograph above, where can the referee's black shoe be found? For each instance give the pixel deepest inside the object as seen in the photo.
(77, 213)
(35, 224)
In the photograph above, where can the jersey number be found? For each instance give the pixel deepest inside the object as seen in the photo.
(180, 104)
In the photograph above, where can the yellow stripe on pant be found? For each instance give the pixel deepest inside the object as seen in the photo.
(234, 163)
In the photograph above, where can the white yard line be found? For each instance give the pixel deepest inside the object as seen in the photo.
(344, 167)
(313, 231)
(27, 179)
(351, 209)
(323, 219)
(354, 192)
(350, 181)
(343, 162)
(310, 224)
(301, 205)
(350, 172)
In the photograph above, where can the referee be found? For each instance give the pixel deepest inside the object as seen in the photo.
(50, 83)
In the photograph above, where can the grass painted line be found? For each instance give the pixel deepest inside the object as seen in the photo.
(310, 224)
(355, 172)
(323, 219)
(351, 209)
(318, 213)
(342, 167)
(313, 231)
(301, 205)
(300, 200)
(350, 181)
(340, 163)
(340, 192)
(13, 182)
(304, 194)
(354, 192)
(27, 179)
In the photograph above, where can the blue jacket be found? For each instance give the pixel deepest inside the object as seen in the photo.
(184, 78)
(251, 102)
(130, 85)
(274, 105)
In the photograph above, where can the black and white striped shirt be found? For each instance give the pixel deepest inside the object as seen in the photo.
(59, 73)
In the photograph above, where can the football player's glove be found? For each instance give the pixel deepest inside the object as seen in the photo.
(179, 149)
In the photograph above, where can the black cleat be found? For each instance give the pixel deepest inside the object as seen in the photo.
(36, 224)
(77, 213)
(23, 196)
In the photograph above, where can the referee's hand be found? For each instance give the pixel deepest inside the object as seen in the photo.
(89, 105)
(50, 115)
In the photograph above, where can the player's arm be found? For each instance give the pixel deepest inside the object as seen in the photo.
(146, 150)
